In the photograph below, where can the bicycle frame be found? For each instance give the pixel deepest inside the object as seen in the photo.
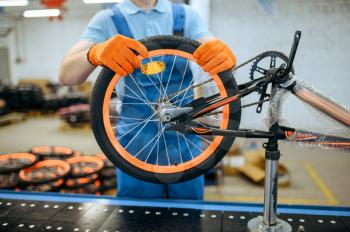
(280, 79)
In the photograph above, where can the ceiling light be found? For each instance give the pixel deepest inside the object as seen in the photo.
(101, 1)
(41, 13)
(4, 3)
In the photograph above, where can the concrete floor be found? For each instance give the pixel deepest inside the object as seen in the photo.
(319, 177)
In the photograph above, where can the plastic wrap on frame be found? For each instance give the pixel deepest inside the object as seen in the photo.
(311, 139)
(327, 106)
(274, 113)
(322, 103)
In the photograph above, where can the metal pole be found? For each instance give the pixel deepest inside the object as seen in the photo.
(269, 221)
(270, 192)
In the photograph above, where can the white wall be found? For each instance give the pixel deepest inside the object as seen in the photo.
(203, 8)
(43, 43)
(323, 58)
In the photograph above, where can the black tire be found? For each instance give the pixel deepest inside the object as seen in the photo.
(106, 75)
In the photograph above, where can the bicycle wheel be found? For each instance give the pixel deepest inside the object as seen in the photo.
(45, 187)
(82, 166)
(129, 128)
(80, 182)
(52, 152)
(44, 172)
(14, 162)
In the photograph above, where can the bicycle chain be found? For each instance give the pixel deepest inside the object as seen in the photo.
(234, 69)
(250, 60)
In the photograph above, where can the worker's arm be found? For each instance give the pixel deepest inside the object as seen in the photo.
(75, 67)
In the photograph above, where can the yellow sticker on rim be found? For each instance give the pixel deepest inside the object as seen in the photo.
(153, 67)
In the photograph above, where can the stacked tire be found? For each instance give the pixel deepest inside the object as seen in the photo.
(84, 175)
(57, 169)
(108, 175)
(10, 166)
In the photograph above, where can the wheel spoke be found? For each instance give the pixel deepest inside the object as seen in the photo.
(145, 101)
(166, 148)
(153, 82)
(187, 146)
(157, 142)
(127, 95)
(206, 140)
(171, 72)
(129, 124)
(195, 85)
(130, 103)
(149, 143)
(182, 99)
(135, 128)
(186, 89)
(160, 78)
(183, 76)
(139, 131)
(193, 144)
(178, 143)
(138, 86)
(128, 118)
(159, 124)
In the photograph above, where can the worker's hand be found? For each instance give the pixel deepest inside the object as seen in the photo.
(215, 56)
(117, 53)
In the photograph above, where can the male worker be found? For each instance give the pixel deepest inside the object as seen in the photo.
(110, 40)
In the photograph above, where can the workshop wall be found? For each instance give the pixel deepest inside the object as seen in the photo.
(43, 43)
(254, 26)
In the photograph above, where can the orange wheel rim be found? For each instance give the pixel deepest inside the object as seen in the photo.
(13, 156)
(81, 181)
(61, 165)
(51, 149)
(87, 159)
(29, 156)
(152, 167)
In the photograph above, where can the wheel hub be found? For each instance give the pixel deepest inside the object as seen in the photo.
(166, 112)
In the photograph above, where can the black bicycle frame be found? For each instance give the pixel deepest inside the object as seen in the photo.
(279, 78)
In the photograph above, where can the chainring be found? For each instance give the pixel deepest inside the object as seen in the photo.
(274, 59)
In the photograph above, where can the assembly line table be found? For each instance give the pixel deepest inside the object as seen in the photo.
(23, 211)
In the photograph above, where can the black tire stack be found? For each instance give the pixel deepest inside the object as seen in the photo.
(30, 97)
(10, 166)
(22, 98)
(84, 175)
(107, 175)
(81, 178)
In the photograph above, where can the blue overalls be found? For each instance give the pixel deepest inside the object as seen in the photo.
(140, 89)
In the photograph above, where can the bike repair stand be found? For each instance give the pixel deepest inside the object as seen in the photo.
(269, 221)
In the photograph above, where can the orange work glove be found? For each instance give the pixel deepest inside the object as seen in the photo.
(215, 56)
(117, 54)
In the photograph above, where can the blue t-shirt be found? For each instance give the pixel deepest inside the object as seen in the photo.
(158, 21)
